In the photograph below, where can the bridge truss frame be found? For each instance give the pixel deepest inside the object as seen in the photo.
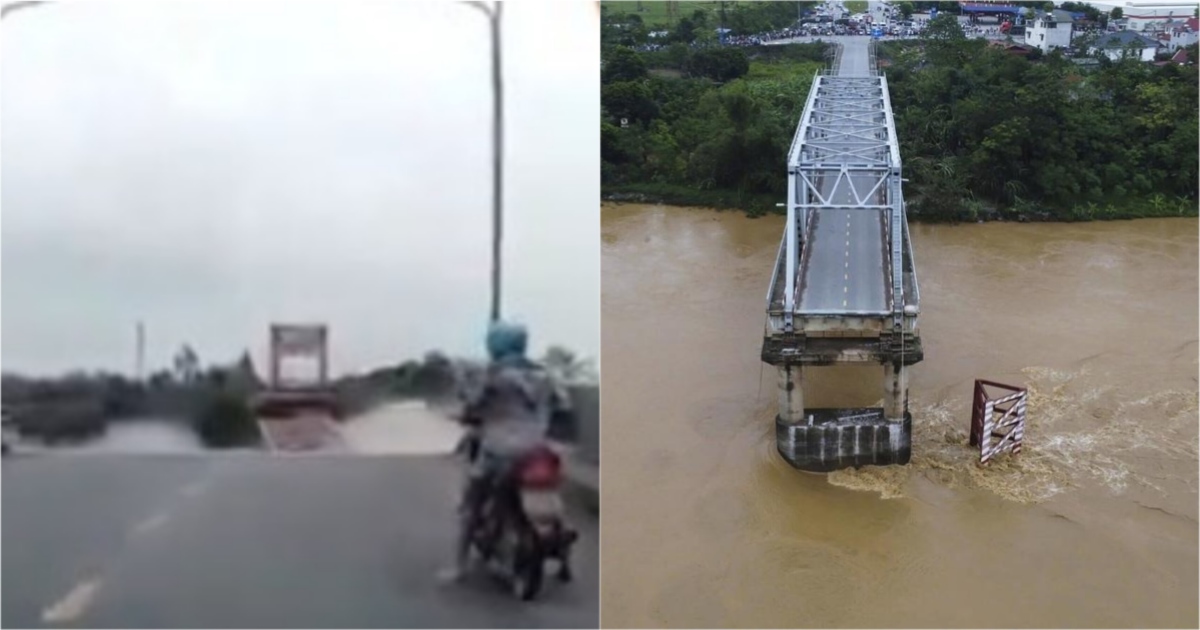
(848, 133)
(845, 148)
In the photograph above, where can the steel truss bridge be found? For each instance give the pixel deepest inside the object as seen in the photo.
(844, 289)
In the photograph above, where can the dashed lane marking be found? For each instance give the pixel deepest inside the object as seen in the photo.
(150, 524)
(194, 488)
(75, 603)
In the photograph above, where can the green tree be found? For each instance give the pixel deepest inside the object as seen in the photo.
(187, 364)
(906, 9)
(1117, 13)
(944, 40)
(684, 32)
(226, 421)
(630, 100)
(624, 64)
(719, 64)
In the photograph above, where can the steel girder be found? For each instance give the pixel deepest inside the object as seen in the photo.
(845, 156)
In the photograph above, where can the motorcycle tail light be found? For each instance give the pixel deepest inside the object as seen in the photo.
(541, 471)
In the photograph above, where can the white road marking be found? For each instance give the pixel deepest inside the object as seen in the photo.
(193, 489)
(74, 604)
(150, 524)
(262, 430)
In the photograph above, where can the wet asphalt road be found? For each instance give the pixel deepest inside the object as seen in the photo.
(845, 269)
(249, 540)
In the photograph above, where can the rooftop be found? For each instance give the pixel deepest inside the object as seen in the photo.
(1121, 39)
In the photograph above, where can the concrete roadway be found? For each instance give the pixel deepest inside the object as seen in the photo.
(855, 57)
(219, 541)
(845, 269)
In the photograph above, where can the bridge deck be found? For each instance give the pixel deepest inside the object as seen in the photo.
(844, 167)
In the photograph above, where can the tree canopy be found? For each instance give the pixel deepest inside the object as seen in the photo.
(983, 132)
(717, 127)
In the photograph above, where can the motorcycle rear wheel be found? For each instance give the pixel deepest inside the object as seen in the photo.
(528, 570)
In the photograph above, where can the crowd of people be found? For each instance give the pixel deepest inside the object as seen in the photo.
(896, 30)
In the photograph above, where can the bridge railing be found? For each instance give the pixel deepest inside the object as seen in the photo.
(835, 61)
(776, 271)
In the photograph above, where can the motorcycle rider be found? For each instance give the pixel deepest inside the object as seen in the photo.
(508, 413)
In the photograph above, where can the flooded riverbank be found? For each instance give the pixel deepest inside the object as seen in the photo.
(1094, 524)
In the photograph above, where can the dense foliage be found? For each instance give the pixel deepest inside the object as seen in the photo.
(686, 133)
(630, 23)
(984, 131)
(226, 420)
(214, 400)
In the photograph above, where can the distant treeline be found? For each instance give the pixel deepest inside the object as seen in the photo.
(215, 400)
(984, 134)
(705, 125)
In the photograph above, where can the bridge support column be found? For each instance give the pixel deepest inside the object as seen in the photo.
(895, 399)
(791, 394)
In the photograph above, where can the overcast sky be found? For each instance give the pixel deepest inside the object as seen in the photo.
(211, 167)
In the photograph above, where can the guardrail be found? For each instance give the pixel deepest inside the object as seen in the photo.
(835, 62)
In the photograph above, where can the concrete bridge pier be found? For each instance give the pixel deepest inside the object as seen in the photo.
(895, 384)
(791, 394)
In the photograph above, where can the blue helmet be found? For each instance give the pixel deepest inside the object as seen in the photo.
(506, 340)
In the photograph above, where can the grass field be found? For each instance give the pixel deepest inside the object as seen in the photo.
(658, 13)
(781, 69)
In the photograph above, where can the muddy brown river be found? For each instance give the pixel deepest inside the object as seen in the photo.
(1093, 525)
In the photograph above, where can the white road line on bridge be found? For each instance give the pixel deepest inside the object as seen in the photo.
(74, 604)
(194, 488)
(266, 435)
(150, 524)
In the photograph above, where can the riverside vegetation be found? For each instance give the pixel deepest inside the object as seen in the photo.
(214, 401)
(985, 134)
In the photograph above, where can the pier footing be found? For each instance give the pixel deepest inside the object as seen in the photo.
(832, 439)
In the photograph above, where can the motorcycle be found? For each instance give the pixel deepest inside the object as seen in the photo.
(520, 525)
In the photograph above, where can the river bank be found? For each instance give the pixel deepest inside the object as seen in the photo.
(757, 205)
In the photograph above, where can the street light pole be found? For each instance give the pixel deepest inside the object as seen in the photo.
(15, 6)
(492, 11)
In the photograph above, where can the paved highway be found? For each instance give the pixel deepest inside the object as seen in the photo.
(845, 269)
(218, 541)
(855, 58)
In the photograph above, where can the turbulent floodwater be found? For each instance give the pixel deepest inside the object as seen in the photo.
(1093, 525)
